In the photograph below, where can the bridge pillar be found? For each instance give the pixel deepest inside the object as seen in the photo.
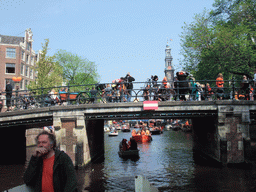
(78, 138)
(13, 145)
(233, 130)
(205, 139)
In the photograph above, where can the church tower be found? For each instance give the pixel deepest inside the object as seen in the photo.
(169, 70)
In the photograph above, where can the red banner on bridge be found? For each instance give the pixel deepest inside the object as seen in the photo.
(150, 105)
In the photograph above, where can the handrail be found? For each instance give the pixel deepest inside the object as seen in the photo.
(178, 90)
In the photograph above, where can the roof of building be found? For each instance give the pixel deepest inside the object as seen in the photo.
(11, 39)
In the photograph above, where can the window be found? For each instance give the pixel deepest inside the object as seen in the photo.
(11, 53)
(23, 55)
(26, 84)
(26, 71)
(10, 68)
(31, 74)
(28, 46)
(27, 59)
(21, 84)
(22, 69)
(32, 59)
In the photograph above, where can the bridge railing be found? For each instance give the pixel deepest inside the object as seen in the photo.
(187, 90)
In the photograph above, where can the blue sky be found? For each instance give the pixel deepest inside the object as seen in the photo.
(120, 36)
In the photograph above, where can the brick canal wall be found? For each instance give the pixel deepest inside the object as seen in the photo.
(31, 135)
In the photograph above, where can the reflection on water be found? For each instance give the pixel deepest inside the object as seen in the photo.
(168, 162)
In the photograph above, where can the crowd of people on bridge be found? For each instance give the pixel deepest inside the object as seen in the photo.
(183, 87)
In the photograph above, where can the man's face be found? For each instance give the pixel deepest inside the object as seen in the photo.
(44, 141)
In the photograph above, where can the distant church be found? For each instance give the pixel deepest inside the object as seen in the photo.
(169, 70)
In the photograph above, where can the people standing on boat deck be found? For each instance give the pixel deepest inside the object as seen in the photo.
(8, 90)
(134, 132)
(50, 169)
(148, 133)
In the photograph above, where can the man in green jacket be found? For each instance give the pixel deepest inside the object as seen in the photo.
(50, 169)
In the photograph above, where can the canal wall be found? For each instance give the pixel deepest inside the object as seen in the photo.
(82, 140)
(31, 135)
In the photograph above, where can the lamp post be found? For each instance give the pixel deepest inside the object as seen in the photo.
(16, 80)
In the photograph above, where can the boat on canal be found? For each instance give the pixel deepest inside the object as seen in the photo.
(125, 128)
(113, 133)
(128, 153)
(155, 131)
(142, 138)
(155, 127)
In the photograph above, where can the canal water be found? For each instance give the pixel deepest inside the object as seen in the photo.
(167, 162)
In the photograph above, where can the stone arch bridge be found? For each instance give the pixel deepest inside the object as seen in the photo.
(221, 128)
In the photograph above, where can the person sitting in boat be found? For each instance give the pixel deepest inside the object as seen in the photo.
(185, 125)
(148, 133)
(133, 144)
(143, 132)
(134, 132)
(123, 146)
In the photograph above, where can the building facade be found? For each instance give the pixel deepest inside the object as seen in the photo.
(17, 59)
(169, 70)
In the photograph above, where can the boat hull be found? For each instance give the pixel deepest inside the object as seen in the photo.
(155, 132)
(125, 130)
(142, 138)
(113, 134)
(128, 153)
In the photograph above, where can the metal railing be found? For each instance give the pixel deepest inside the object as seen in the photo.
(172, 91)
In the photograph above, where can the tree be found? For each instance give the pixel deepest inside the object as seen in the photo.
(76, 70)
(48, 72)
(195, 37)
(230, 53)
(225, 45)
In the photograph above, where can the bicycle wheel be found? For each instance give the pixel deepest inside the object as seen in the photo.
(83, 98)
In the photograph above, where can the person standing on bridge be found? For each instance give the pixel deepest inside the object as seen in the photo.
(8, 90)
(220, 86)
(130, 79)
(50, 169)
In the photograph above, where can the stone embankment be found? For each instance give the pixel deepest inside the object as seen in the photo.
(31, 135)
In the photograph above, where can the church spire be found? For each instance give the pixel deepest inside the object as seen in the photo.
(169, 70)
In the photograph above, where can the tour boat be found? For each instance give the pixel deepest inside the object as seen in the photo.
(142, 138)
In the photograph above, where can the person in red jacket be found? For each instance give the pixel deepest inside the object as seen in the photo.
(220, 86)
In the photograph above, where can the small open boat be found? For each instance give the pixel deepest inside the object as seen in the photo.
(155, 131)
(125, 128)
(128, 153)
(113, 133)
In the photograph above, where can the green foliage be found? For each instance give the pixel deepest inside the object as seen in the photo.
(49, 73)
(221, 41)
(195, 37)
(76, 70)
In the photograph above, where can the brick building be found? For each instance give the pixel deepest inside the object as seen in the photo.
(17, 59)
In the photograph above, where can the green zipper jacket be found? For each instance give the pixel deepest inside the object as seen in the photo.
(64, 176)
